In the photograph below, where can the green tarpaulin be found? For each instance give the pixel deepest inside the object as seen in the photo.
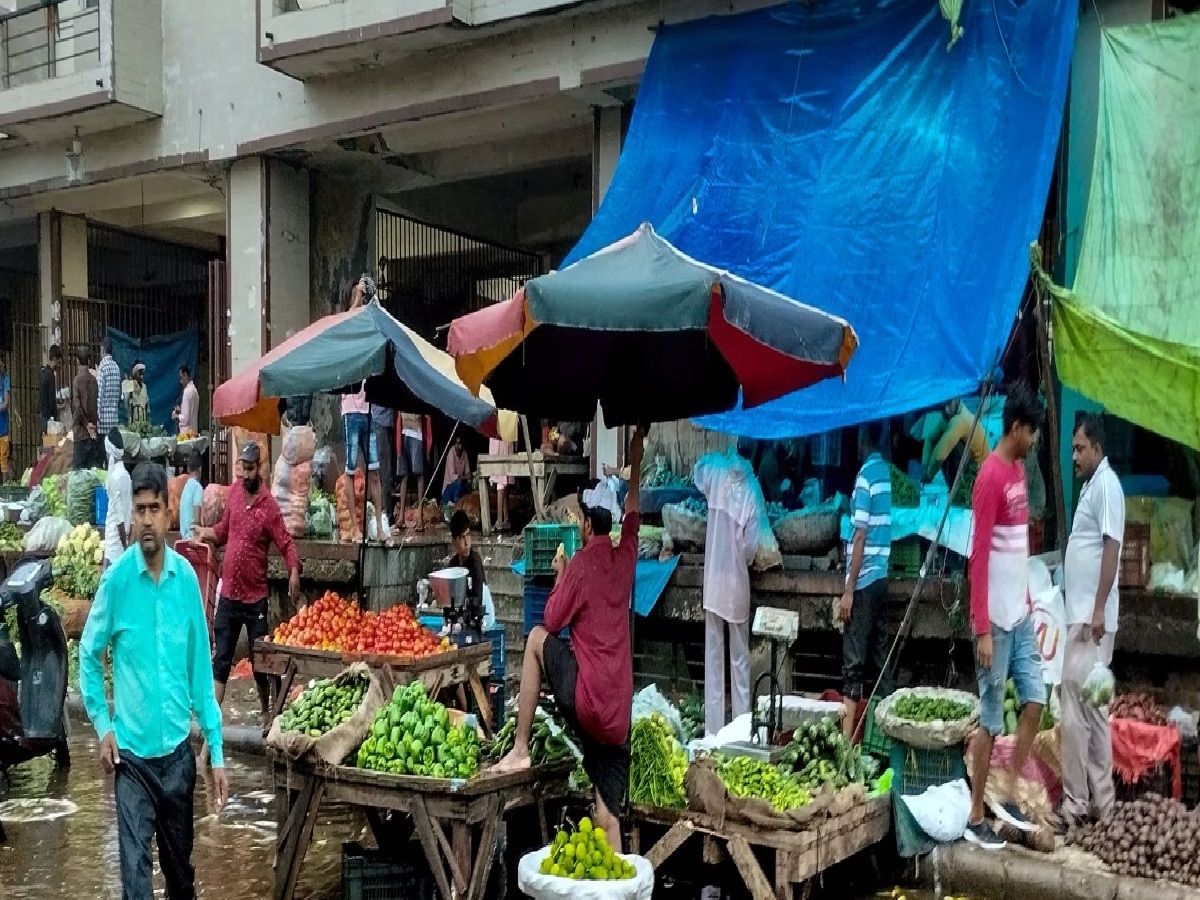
(1128, 334)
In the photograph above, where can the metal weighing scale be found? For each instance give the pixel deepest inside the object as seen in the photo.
(463, 616)
(779, 626)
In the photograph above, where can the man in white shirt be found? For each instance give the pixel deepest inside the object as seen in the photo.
(188, 412)
(727, 482)
(118, 520)
(1090, 580)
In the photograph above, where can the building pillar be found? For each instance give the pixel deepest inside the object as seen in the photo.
(62, 270)
(608, 449)
(267, 252)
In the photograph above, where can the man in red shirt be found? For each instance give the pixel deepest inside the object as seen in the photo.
(592, 676)
(252, 522)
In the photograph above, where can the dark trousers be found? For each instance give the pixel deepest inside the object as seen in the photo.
(866, 641)
(154, 800)
(87, 454)
(385, 438)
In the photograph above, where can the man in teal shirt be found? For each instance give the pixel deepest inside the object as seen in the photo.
(148, 610)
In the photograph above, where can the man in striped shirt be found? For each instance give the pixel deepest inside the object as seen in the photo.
(863, 607)
(109, 383)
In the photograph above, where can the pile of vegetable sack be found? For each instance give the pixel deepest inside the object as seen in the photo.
(584, 854)
(1152, 838)
(331, 717)
(928, 718)
(820, 755)
(658, 764)
(1138, 706)
(412, 735)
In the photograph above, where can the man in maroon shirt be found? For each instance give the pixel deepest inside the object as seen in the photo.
(592, 676)
(252, 522)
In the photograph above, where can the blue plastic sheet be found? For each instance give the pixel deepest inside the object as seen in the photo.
(842, 155)
(162, 355)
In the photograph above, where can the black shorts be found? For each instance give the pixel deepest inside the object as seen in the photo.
(606, 765)
(227, 628)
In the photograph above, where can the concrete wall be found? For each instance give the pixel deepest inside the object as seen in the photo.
(138, 52)
(288, 250)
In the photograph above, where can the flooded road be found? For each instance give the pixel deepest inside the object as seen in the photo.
(62, 834)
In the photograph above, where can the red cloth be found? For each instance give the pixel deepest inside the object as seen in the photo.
(999, 541)
(247, 530)
(592, 598)
(1137, 748)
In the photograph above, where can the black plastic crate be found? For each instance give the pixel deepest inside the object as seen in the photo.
(1156, 781)
(376, 875)
(1189, 759)
(915, 770)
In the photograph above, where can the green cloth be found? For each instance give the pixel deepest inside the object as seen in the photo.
(161, 667)
(1128, 334)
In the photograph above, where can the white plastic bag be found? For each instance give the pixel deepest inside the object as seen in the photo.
(1098, 688)
(942, 811)
(1185, 720)
(45, 535)
(489, 609)
(649, 700)
(534, 884)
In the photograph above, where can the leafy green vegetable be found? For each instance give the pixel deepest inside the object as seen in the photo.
(930, 709)
(820, 754)
(906, 493)
(325, 705)
(746, 777)
(658, 764)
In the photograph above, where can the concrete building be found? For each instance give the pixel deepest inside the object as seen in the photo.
(232, 166)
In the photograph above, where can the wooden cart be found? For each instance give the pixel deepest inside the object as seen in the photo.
(799, 855)
(462, 665)
(458, 823)
(543, 470)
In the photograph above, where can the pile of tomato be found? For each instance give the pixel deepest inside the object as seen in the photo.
(333, 623)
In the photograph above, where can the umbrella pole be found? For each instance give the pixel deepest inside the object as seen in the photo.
(539, 502)
(362, 546)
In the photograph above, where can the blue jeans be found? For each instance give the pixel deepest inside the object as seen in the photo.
(1015, 655)
(154, 800)
(357, 431)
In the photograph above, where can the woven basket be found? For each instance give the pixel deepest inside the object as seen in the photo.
(685, 528)
(804, 532)
(935, 735)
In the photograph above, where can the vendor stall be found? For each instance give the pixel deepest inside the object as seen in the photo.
(799, 855)
(542, 469)
(458, 823)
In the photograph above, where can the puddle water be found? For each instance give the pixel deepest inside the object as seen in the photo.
(62, 834)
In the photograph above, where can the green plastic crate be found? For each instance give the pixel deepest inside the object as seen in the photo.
(916, 769)
(874, 741)
(905, 558)
(541, 544)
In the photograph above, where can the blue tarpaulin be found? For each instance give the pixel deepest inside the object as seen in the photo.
(842, 155)
(162, 356)
(649, 581)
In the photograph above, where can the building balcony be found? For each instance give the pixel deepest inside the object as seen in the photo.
(79, 66)
(314, 38)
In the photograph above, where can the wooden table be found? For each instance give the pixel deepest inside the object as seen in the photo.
(799, 855)
(462, 665)
(541, 469)
(458, 823)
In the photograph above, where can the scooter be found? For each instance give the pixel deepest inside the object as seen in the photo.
(33, 682)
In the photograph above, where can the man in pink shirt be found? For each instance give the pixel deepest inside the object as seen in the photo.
(592, 676)
(1005, 642)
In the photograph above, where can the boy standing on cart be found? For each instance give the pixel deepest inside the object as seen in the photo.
(592, 675)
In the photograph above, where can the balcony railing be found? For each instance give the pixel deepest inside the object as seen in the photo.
(58, 37)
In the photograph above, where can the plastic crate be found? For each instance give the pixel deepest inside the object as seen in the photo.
(874, 741)
(537, 592)
(541, 545)
(101, 508)
(433, 623)
(916, 770)
(495, 634)
(1189, 760)
(376, 875)
(905, 558)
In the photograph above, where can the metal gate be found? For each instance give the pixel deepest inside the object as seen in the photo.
(430, 275)
(21, 344)
(220, 362)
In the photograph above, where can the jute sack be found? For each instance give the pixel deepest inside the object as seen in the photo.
(341, 741)
(935, 735)
(687, 530)
(706, 793)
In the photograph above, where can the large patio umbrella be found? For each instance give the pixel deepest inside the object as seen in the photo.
(335, 355)
(650, 334)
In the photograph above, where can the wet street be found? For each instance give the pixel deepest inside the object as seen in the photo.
(62, 834)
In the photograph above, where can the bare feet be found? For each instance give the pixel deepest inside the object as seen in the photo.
(517, 760)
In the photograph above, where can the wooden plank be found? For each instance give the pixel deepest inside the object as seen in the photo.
(675, 837)
(451, 852)
(483, 702)
(425, 834)
(750, 870)
(485, 857)
(783, 875)
(712, 852)
(298, 837)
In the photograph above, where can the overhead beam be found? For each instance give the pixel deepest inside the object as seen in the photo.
(182, 213)
(502, 157)
(464, 129)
